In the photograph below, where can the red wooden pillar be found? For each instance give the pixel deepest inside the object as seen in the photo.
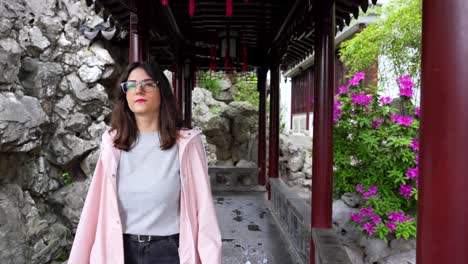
(293, 100)
(273, 171)
(179, 85)
(261, 88)
(322, 163)
(188, 86)
(136, 48)
(307, 88)
(443, 184)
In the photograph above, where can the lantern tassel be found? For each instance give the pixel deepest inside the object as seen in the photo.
(191, 7)
(164, 2)
(228, 8)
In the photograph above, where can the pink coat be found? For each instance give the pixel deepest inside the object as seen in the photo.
(98, 238)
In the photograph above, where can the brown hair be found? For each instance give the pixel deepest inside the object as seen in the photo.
(123, 119)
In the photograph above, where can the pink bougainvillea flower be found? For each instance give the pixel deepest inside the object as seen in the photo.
(376, 219)
(373, 189)
(415, 144)
(366, 195)
(337, 110)
(402, 120)
(359, 188)
(396, 216)
(386, 100)
(417, 111)
(358, 76)
(377, 123)
(406, 86)
(361, 99)
(356, 217)
(369, 228)
(391, 226)
(405, 190)
(367, 211)
(412, 173)
(416, 159)
(343, 89)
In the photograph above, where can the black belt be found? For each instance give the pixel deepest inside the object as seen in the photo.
(147, 238)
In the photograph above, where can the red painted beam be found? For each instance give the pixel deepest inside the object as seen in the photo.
(322, 162)
(443, 197)
(261, 87)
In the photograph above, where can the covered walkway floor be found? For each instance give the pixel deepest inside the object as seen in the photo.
(249, 233)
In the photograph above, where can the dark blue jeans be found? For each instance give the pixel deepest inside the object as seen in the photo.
(162, 250)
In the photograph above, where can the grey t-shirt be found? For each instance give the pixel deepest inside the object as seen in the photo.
(148, 184)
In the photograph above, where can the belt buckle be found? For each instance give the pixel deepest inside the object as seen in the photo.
(141, 241)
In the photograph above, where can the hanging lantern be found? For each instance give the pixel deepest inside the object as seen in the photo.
(228, 46)
(164, 2)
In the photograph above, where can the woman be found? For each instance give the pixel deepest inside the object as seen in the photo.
(150, 198)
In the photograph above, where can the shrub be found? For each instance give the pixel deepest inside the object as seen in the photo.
(375, 154)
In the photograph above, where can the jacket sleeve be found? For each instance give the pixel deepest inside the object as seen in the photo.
(209, 235)
(86, 230)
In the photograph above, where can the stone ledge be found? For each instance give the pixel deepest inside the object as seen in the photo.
(293, 215)
(328, 249)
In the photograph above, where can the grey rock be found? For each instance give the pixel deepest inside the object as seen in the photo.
(375, 249)
(65, 148)
(81, 91)
(5, 27)
(217, 133)
(34, 176)
(71, 199)
(77, 122)
(12, 229)
(246, 164)
(89, 74)
(341, 213)
(403, 258)
(20, 121)
(46, 7)
(64, 106)
(402, 245)
(32, 40)
(355, 254)
(10, 55)
(296, 175)
(40, 79)
(296, 162)
(51, 26)
(88, 165)
(12, 9)
(351, 199)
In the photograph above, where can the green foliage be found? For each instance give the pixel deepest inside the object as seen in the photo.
(215, 110)
(213, 86)
(247, 91)
(67, 178)
(396, 35)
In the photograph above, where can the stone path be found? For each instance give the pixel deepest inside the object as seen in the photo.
(249, 233)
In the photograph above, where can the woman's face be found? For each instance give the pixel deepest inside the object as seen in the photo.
(143, 100)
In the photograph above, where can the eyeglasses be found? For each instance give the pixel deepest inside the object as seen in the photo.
(145, 85)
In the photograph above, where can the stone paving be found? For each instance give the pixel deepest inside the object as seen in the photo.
(249, 233)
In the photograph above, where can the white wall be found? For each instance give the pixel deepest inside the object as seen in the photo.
(285, 102)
